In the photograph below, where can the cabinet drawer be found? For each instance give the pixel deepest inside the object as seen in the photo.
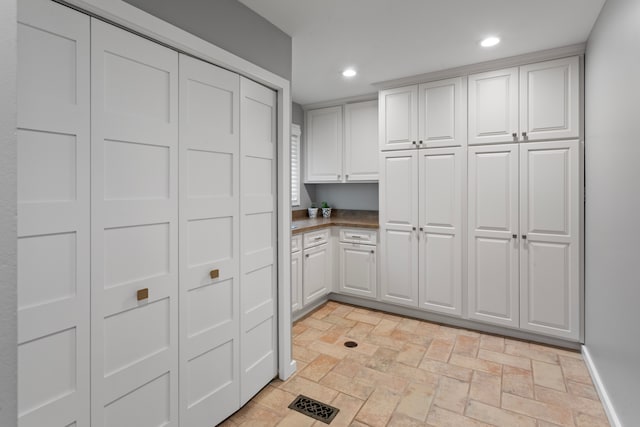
(316, 238)
(358, 235)
(296, 243)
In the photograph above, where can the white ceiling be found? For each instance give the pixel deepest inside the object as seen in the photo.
(389, 39)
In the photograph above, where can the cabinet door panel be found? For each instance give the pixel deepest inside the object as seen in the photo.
(296, 281)
(549, 217)
(53, 286)
(323, 145)
(357, 269)
(493, 220)
(398, 118)
(443, 113)
(493, 106)
(209, 240)
(316, 274)
(442, 173)
(549, 99)
(398, 233)
(361, 141)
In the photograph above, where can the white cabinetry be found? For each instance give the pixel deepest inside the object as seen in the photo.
(428, 115)
(296, 273)
(534, 102)
(421, 202)
(524, 245)
(323, 145)
(316, 270)
(361, 141)
(358, 266)
(334, 154)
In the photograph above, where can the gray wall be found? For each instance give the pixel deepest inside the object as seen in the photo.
(348, 196)
(8, 165)
(612, 142)
(230, 25)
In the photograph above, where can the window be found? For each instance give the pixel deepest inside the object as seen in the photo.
(295, 165)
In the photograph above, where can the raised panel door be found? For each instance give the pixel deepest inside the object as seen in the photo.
(258, 247)
(357, 269)
(493, 289)
(443, 113)
(398, 227)
(549, 100)
(493, 106)
(323, 145)
(442, 173)
(296, 281)
(316, 273)
(550, 221)
(398, 118)
(361, 141)
(209, 242)
(53, 215)
(134, 239)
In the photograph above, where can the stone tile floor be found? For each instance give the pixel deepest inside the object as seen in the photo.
(407, 372)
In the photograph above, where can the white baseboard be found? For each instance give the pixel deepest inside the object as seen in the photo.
(602, 392)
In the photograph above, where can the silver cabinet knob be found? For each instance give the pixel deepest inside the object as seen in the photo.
(524, 237)
(524, 134)
(515, 134)
(514, 236)
(372, 251)
(414, 229)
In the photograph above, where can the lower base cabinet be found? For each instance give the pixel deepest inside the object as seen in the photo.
(358, 273)
(316, 272)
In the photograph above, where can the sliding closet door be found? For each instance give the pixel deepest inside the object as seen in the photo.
(209, 243)
(259, 246)
(53, 215)
(134, 240)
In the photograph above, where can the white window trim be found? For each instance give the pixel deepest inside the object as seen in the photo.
(295, 172)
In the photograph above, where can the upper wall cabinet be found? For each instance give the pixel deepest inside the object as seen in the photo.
(429, 115)
(324, 145)
(341, 143)
(530, 103)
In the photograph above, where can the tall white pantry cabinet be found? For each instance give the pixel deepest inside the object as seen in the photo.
(147, 229)
(491, 232)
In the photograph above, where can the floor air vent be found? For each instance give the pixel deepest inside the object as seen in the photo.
(314, 409)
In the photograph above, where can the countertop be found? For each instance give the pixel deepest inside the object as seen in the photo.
(339, 217)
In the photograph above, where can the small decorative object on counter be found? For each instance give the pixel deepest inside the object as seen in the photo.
(326, 210)
(313, 211)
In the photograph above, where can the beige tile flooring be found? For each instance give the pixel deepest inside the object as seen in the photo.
(407, 372)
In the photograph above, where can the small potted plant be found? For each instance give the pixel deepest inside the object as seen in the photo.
(313, 210)
(326, 210)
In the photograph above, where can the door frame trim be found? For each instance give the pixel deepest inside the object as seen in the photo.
(133, 19)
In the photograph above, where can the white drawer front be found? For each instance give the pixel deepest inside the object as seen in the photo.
(315, 238)
(296, 243)
(358, 235)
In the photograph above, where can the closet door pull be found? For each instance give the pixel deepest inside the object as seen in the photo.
(142, 294)
(214, 274)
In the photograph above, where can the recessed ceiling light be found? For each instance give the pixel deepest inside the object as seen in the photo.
(349, 72)
(490, 41)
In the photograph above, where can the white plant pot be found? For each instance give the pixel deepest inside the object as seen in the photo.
(326, 212)
(313, 212)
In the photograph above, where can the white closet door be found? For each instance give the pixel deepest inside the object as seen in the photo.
(53, 215)
(398, 223)
(258, 263)
(134, 240)
(441, 205)
(209, 243)
(549, 257)
(493, 227)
